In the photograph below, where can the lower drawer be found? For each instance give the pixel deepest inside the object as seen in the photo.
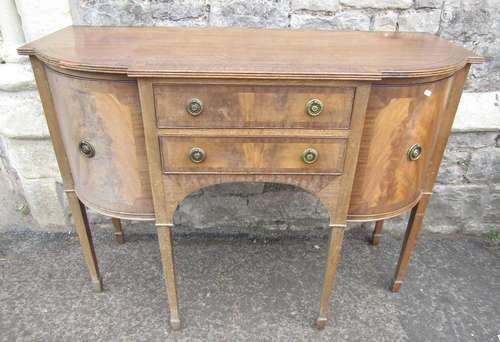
(250, 155)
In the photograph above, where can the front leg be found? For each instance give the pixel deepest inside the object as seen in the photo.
(410, 240)
(334, 254)
(167, 258)
(82, 227)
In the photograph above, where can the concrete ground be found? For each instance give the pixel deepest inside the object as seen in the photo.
(245, 290)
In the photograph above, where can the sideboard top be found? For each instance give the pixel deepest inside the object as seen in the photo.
(249, 53)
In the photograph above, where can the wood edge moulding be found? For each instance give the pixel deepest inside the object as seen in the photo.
(145, 73)
(92, 76)
(254, 133)
(276, 82)
(118, 214)
(252, 173)
(388, 82)
(386, 215)
(151, 216)
(383, 74)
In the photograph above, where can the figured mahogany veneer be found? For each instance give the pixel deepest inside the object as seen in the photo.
(385, 182)
(263, 106)
(105, 111)
(118, 106)
(231, 155)
(398, 115)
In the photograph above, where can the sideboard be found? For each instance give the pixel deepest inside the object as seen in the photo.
(142, 117)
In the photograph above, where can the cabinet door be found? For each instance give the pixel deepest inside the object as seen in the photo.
(104, 114)
(398, 117)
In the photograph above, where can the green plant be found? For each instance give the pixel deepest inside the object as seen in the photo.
(493, 235)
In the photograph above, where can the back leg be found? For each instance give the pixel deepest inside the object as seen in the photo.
(117, 223)
(377, 232)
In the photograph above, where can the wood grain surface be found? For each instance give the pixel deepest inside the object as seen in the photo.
(398, 116)
(252, 155)
(262, 106)
(255, 53)
(105, 109)
(106, 113)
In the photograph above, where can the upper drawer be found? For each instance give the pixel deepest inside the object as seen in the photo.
(261, 106)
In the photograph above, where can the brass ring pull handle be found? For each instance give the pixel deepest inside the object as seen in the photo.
(415, 152)
(310, 155)
(86, 148)
(194, 107)
(197, 155)
(314, 107)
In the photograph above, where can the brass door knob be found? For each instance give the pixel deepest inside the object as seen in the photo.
(314, 107)
(197, 155)
(194, 107)
(310, 155)
(86, 148)
(415, 152)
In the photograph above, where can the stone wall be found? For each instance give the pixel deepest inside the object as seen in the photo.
(471, 23)
(30, 184)
(467, 193)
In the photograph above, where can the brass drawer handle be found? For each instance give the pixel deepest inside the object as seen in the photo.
(197, 155)
(314, 107)
(194, 107)
(310, 155)
(415, 152)
(86, 148)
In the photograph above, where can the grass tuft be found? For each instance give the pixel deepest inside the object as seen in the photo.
(493, 235)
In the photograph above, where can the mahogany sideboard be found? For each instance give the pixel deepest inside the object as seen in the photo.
(142, 117)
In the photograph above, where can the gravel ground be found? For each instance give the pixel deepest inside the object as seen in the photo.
(236, 289)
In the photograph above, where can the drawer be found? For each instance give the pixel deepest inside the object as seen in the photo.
(250, 155)
(262, 106)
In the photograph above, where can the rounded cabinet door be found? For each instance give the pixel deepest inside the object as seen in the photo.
(101, 127)
(400, 129)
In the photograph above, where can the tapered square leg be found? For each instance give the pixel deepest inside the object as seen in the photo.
(79, 214)
(334, 252)
(164, 209)
(377, 232)
(119, 236)
(167, 258)
(412, 231)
